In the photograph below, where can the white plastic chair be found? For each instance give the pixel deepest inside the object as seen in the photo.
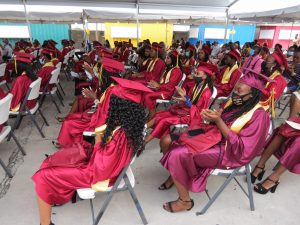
(125, 181)
(232, 174)
(54, 81)
(32, 94)
(6, 131)
(2, 74)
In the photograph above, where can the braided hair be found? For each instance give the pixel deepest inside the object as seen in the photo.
(246, 107)
(131, 117)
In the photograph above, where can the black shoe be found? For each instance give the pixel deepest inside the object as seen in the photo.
(259, 176)
(259, 188)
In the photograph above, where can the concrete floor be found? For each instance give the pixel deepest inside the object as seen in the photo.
(18, 201)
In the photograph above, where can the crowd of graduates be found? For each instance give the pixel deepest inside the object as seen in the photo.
(115, 97)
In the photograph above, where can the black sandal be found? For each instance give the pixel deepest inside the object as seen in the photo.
(56, 144)
(171, 208)
(164, 186)
(60, 119)
(259, 176)
(259, 188)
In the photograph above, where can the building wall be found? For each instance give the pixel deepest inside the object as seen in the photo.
(243, 33)
(43, 32)
(155, 32)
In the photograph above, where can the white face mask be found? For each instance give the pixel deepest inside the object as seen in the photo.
(42, 61)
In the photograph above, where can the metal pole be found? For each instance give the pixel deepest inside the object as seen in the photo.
(96, 34)
(137, 22)
(291, 34)
(166, 43)
(27, 21)
(226, 26)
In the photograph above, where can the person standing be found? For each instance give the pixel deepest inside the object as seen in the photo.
(7, 50)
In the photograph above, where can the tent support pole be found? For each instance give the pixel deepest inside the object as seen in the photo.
(291, 34)
(96, 34)
(27, 21)
(226, 26)
(137, 22)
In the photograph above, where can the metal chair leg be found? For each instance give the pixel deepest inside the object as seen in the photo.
(35, 123)
(135, 200)
(53, 100)
(219, 191)
(43, 117)
(92, 209)
(250, 190)
(17, 142)
(62, 89)
(6, 169)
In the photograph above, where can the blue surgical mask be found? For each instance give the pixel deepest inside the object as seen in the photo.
(251, 52)
(290, 53)
(187, 54)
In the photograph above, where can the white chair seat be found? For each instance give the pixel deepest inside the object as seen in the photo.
(2, 82)
(89, 193)
(217, 172)
(32, 111)
(162, 101)
(5, 131)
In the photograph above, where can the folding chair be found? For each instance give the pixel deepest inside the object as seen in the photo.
(283, 97)
(54, 90)
(125, 181)
(165, 102)
(32, 94)
(212, 98)
(6, 131)
(65, 66)
(2, 74)
(58, 66)
(232, 174)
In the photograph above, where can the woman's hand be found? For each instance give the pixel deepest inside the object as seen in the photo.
(179, 99)
(88, 68)
(181, 91)
(211, 115)
(154, 84)
(89, 93)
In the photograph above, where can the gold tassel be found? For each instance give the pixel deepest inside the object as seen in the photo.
(16, 66)
(177, 61)
(273, 103)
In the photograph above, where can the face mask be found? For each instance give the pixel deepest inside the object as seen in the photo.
(42, 61)
(197, 80)
(187, 54)
(290, 53)
(264, 68)
(238, 99)
(251, 52)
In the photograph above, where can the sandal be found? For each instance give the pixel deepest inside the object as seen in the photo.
(56, 144)
(164, 185)
(170, 207)
(259, 176)
(259, 188)
(60, 119)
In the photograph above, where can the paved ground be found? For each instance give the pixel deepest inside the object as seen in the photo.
(18, 202)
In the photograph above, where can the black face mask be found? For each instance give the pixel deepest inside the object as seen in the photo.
(197, 80)
(264, 67)
(238, 99)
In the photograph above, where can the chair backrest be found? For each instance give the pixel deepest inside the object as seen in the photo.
(54, 76)
(58, 65)
(72, 53)
(66, 58)
(4, 108)
(34, 89)
(2, 69)
(182, 80)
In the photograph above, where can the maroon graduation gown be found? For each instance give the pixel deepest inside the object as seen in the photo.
(45, 74)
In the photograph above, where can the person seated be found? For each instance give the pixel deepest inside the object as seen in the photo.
(294, 104)
(229, 74)
(190, 106)
(2, 95)
(21, 84)
(144, 58)
(75, 123)
(254, 61)
(70, 168)
(228, 139)
(166, 87)
(155, 69)
(65, 43)
(293, 72)
(45, 72)
(284, 144)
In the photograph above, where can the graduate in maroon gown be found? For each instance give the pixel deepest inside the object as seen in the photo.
(155, 69)
(271, 67)
(145, 57)
(284, 144)
(65, 50)
(233, 137)
(190, 106)
(229, 74)
(166, 87)
(46, 70)
(21, 84)
(202, 56)
(2, 95)
(60, 174)
(124, 53)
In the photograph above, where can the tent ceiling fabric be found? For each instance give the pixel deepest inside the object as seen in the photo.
(178, 11)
